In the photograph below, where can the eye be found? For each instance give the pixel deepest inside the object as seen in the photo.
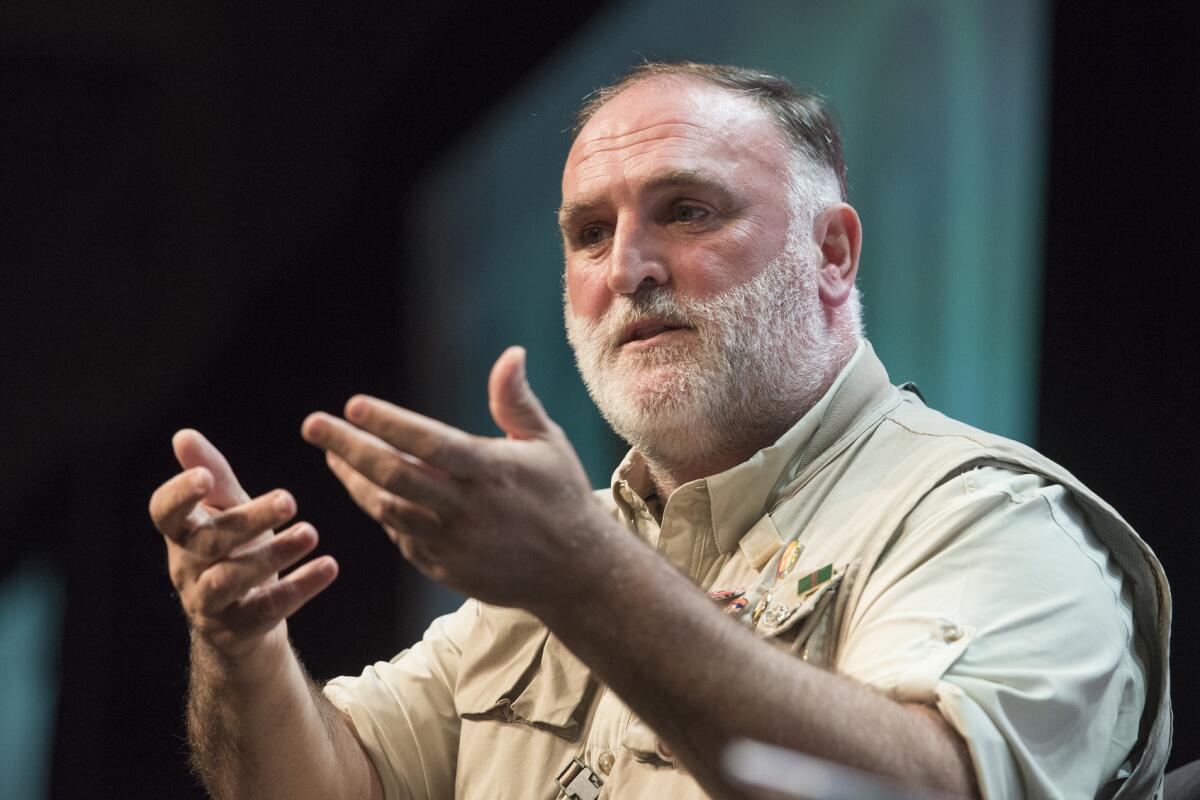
(686, 212)
(591, 236)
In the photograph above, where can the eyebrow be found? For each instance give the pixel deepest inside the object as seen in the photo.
(572, 210)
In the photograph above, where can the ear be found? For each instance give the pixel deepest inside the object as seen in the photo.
(838, 233)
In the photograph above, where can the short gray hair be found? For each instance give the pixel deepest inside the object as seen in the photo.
(804, 118)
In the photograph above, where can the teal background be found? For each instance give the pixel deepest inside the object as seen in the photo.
(31, 610)
(943, 107)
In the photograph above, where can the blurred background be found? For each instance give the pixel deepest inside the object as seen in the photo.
(225, 218)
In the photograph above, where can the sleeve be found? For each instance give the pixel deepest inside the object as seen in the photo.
(404, 713)
(998, 605)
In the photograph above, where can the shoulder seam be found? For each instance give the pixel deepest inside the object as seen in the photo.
(926, 434)
(1058, 523)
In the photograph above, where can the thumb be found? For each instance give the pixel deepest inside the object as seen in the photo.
(193, 450)
(514, 406)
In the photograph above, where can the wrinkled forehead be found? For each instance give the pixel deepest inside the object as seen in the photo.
(673, 117)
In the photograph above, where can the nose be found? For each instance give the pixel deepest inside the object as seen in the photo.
(636, 260)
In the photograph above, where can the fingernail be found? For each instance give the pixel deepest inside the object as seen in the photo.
(521, 365)
(283, 503)
(313, 427)
(356, 409)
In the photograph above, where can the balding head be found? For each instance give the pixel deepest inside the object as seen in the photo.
(803, 118)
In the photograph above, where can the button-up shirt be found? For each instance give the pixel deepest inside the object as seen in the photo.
(996, 604)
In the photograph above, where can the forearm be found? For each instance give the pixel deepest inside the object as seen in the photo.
(701, 680)
(265, 731)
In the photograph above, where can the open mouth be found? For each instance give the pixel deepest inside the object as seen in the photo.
(649, 330)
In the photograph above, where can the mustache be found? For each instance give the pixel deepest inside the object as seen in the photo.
(658, 303)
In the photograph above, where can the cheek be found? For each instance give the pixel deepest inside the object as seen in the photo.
(587, 293)
(704, 277)
(738, 255)
(711, 270)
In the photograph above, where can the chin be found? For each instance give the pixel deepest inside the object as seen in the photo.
(659, 390)
(656, 406)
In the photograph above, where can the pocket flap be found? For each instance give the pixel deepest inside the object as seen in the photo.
(644, 744)
(639, 738)
(791, 601)
(513, 670)
(558, 689)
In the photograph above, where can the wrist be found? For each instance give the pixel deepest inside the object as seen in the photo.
(595, 570)
(246, 666)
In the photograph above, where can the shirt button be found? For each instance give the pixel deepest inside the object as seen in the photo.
(952, 633)
(606, 761)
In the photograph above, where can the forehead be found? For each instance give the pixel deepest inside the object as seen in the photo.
(673, 123)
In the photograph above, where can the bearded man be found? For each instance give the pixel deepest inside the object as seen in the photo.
(794, 551)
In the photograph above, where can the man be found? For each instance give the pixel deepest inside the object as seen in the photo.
(878, 585)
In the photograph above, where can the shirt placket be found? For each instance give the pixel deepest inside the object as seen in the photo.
(611, 717)
(602, 747)
(686, 519)
(637, 515)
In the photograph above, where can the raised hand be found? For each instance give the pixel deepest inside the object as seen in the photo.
(510, 521)
(224, 557)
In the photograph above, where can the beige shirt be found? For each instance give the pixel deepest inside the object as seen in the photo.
(995, 604)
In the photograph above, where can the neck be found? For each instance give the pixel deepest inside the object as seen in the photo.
(668, 473)
(673, 464)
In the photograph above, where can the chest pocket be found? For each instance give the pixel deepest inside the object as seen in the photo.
(803, 613)
(514, 671)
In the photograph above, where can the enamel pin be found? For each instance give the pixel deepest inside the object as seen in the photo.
(777, 614)
(787, 561)
(760, 607)
(814, 579)
(736, 606)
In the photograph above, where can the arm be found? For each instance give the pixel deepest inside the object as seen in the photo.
(270, 733)
(661, 664)
(513, 522)
(256, 725)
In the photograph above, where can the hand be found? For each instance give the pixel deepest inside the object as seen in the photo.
(223, 556)
(510, 521)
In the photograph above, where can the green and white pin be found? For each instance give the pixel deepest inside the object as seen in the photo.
(813, 580)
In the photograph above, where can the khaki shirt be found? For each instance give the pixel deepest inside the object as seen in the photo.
(989, 597)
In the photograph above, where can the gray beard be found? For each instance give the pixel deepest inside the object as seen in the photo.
(761, 355)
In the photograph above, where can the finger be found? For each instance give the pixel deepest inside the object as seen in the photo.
(193, 450)
(399, 473)
(514, 406)
(381, 505)
(265, 607)
(435, 443)
(225, 531)
(173, 502)
(227, 581)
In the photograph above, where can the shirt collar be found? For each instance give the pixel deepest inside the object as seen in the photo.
(740, 495)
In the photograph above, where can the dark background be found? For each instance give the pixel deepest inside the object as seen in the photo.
(200, 214)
